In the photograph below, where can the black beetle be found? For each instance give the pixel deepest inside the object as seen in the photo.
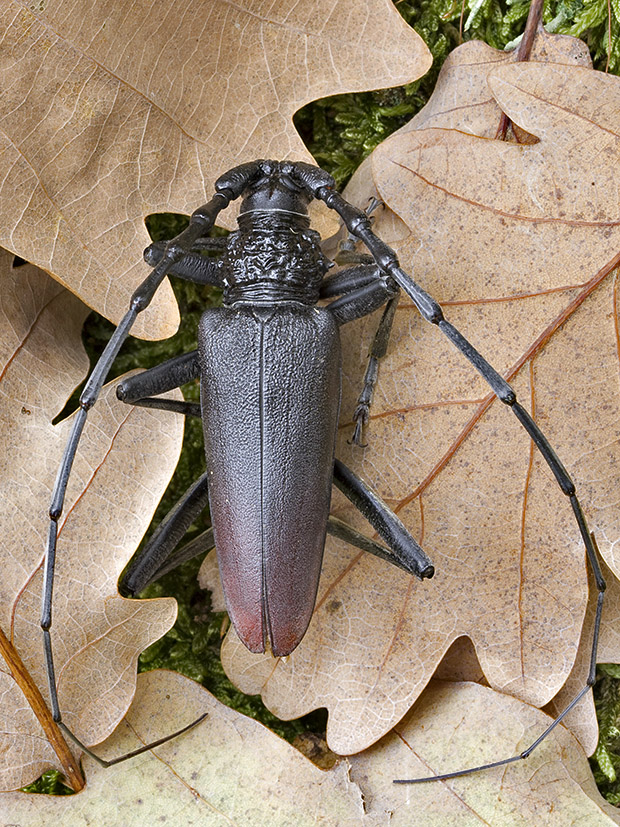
(269, 367)
(270, 373)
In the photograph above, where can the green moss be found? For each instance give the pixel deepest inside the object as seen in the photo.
(50, 783)
(342, 130)
(606, 759)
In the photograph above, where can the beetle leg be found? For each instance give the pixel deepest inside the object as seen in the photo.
(154, 559)
(364, 291)
(201, 222)
(193, 266)
(342, 531)
(139, 389)
(363, 301)
(204, 542)
(403, 547)
(349, 279)
(377, 351)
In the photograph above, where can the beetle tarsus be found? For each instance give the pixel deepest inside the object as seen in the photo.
(360, 418)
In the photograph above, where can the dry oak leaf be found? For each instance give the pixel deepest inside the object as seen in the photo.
(228, 770)
(582, 720)
(125, 459)
(110, 112)
(552, 788)
(559, 181)
(462, 100)
(456, 465)
(535, 217)
(232, 770)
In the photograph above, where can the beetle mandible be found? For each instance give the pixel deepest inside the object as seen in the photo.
(268, 361)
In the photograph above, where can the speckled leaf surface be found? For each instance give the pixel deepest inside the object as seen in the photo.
(124, 462)
(110, 112)
(229, 770)
(532, 284)
(554, 787)
(462, 100)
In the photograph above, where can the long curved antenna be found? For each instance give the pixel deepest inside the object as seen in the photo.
(201, 222)
(358, 223)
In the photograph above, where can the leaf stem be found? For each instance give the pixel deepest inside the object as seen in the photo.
(533, 26)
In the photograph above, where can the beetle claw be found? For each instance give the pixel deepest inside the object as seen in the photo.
(360, 417)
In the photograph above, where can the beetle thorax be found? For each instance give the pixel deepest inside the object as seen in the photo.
(274, 256)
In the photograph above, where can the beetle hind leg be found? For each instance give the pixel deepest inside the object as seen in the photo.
(404, 551)
(157, 558)
(342, 531)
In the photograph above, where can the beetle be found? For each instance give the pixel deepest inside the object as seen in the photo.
(268, 361)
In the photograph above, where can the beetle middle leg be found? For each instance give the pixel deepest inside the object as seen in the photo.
(362, 289)
(154, 560)
(378, 350)
(348, 281)
(141, 388)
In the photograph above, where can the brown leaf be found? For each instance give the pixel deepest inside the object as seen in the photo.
(462, 100)
(228, 770)
(451, 722)
(454, 464)
(110, 113)
(124, 463)
(582, 720)
(517, 203)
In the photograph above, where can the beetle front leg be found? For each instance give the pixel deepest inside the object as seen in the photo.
(193, 266)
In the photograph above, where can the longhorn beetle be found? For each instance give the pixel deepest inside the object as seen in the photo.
(269, 369)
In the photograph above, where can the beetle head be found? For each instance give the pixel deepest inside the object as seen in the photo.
(275, 188)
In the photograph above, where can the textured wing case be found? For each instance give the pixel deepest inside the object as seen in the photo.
(270, 388)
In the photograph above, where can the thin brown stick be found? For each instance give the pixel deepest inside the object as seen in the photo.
(608, 35)
(533, 26)
(70, 766)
